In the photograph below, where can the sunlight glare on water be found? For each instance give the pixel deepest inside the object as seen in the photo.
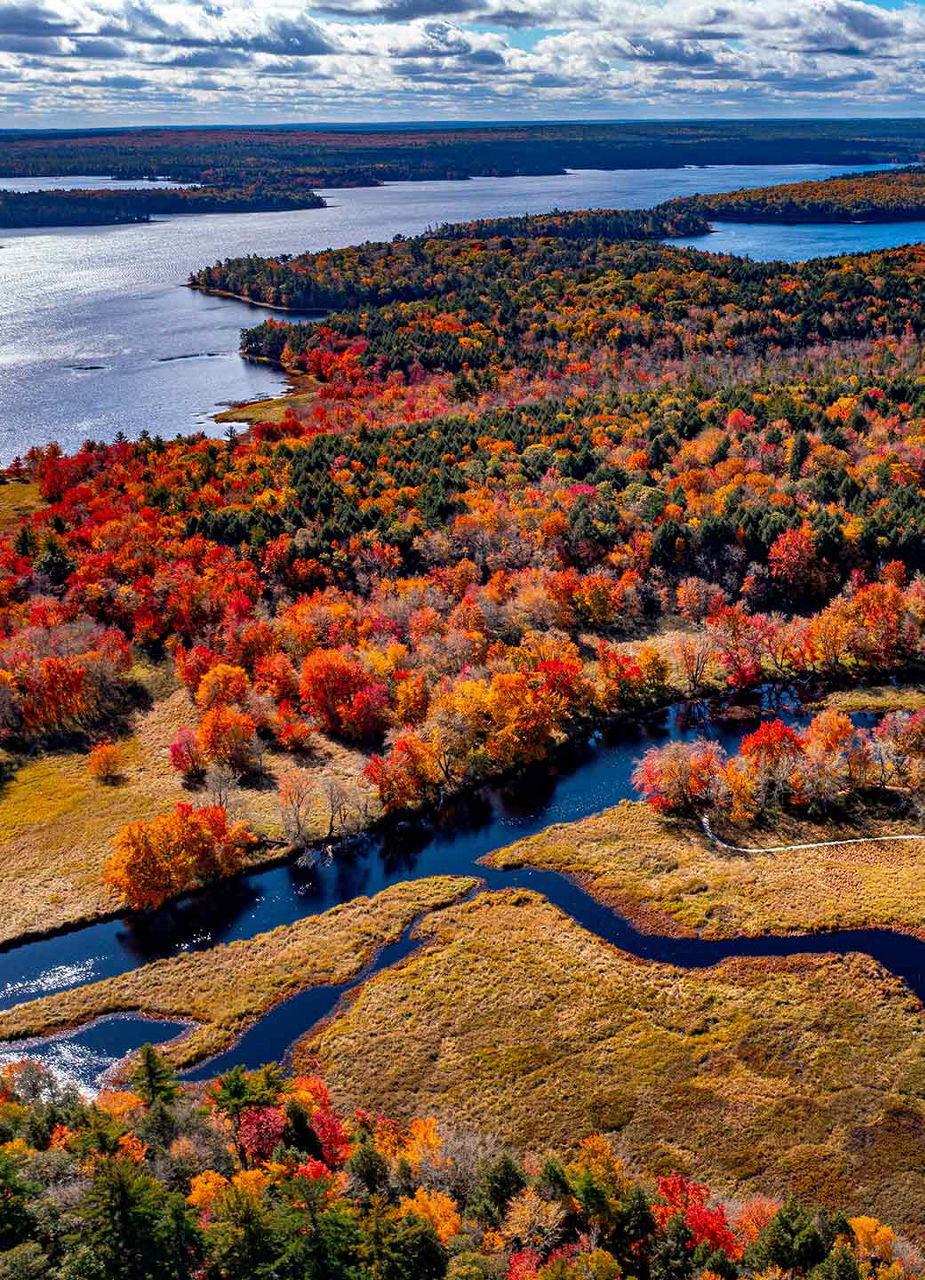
(97, 334)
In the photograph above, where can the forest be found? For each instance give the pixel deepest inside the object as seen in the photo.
(96, 208)
(261, 1175)
(881, 196)
(341, 157)
(539, 478)
(522, 451)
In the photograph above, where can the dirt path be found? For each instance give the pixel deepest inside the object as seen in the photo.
(787, 848)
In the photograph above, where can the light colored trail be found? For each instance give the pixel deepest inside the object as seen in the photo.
(787, 848)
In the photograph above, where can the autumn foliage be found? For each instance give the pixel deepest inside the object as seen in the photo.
(533, 443)
(157, 860)
(265, 1171)
(104, 762)
(826, 766)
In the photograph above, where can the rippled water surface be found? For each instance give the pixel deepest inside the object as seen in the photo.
(98, 335)
(84, 1057)
(764, 242)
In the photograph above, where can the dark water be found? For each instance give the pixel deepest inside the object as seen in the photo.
(270, 1039)
(84, 1056)
(586, 781)
(97, 334)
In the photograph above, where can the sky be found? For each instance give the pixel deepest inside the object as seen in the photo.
(67, 63)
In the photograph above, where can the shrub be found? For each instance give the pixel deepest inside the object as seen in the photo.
(186, 755)
(157, 860)
(105, 762)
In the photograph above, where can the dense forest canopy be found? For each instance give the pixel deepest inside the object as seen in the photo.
(526, 439)
(516, 448)
(262, 1176)
(883, 196)
(251, 169)
(352, 157)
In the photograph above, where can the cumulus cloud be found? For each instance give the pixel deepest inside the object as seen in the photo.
(329, 59)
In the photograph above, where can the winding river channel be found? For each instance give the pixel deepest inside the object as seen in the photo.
(581, 782)
(97, 335)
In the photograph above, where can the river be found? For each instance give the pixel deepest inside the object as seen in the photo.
(583, 781)
(98, 334)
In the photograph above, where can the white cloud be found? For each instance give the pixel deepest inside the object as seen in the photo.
(418, 58)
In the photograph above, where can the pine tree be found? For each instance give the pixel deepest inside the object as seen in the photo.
(152, 1078)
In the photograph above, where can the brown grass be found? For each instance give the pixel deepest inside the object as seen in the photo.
(300, 400)
(668, 878)
(18, 498)
(226, 989)
(879, 698)
(802, 1075)
(57, 824)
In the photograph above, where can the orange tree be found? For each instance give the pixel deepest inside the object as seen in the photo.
(157, 860)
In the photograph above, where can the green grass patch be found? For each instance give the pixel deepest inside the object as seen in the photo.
(301, 400)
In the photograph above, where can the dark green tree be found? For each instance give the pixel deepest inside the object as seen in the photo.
(394, 1247)
(152, 1078)
(133, 1228)
(498, 1182)
(15, 1219)
(672, 1254)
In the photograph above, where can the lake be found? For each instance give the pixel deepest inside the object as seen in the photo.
(97, 334)
(766, 241)
(88, 182)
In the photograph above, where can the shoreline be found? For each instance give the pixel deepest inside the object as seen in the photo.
(209, 292)
(274, 852)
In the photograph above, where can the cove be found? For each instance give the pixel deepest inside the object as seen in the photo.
(89, 314)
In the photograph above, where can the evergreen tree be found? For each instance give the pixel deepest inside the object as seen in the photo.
(499, 1181)
(152, 1078)
(132, 1229)
(15, 1219)
(672, 1256)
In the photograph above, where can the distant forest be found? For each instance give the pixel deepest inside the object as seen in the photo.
(330, 157)
(95, 208)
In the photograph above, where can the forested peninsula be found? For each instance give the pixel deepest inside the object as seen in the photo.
(80, 208)
(880, 196)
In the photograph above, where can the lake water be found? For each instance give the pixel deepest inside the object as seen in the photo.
(88, 182)
(764, 241)
(97, 334)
